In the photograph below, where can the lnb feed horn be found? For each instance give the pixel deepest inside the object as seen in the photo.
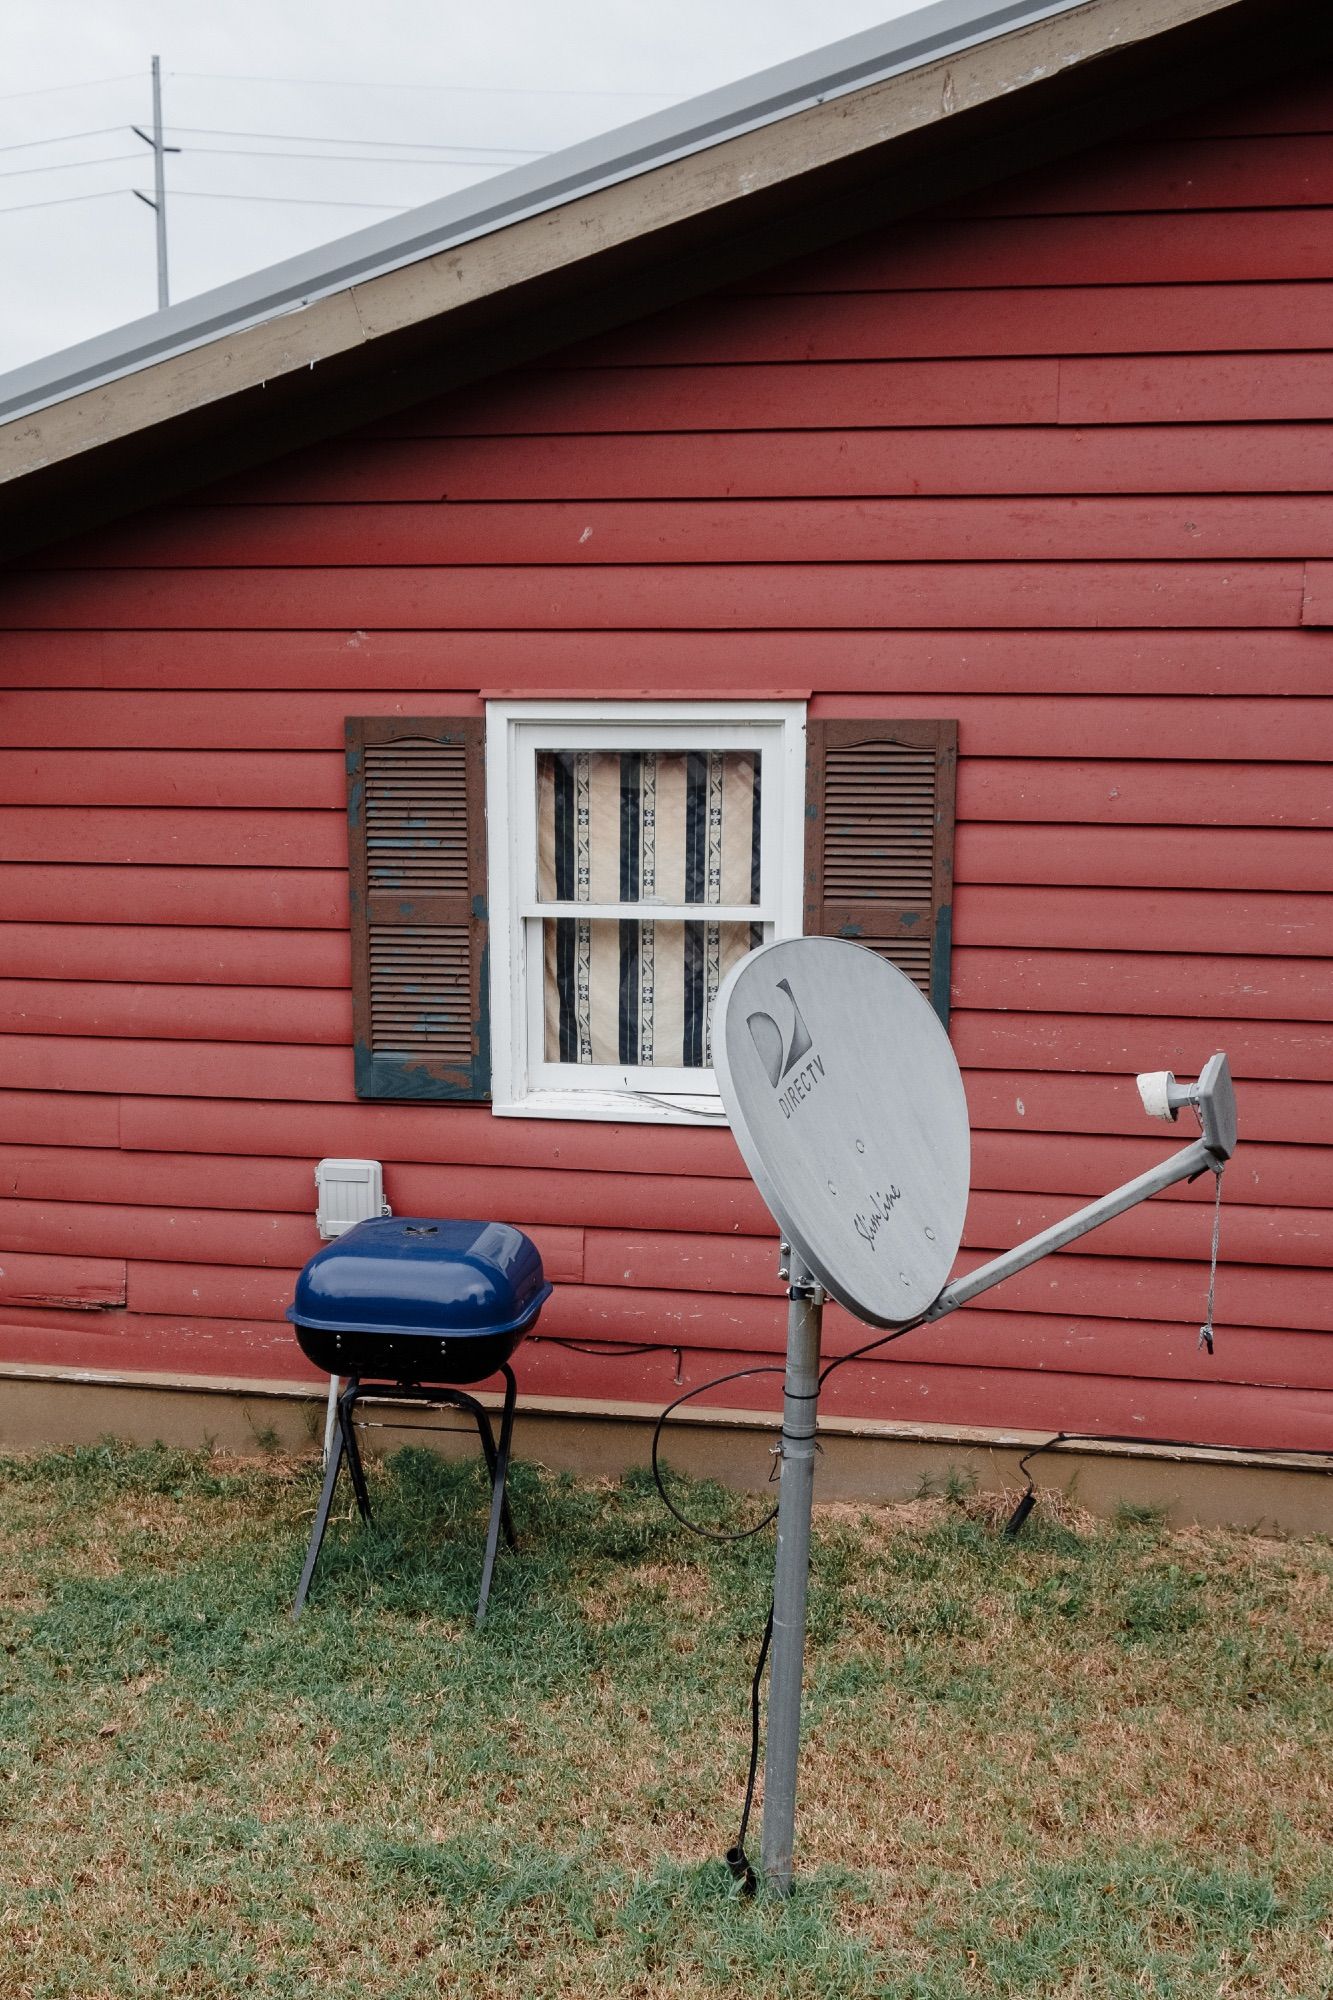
(1211, 1096)
(1162, 1096)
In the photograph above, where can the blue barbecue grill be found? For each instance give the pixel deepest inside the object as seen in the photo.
(417, 1305)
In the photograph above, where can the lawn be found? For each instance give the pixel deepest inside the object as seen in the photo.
(1093, 1761)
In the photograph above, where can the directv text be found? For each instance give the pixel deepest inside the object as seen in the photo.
(801, 1085)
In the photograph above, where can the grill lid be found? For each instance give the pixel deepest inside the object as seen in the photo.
(415, 1274)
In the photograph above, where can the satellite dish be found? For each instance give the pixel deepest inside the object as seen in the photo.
(848, 1107)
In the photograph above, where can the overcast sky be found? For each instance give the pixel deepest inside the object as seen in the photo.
(422, 98)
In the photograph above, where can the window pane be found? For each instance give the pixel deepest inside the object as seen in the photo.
(648, 826)
(636, 991)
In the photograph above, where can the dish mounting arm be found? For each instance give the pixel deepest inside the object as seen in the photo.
(1213, 1098)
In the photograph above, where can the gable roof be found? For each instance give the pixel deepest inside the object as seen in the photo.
(873, 127)
(945, 28)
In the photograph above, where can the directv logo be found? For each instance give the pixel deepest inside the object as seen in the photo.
(780, 1054)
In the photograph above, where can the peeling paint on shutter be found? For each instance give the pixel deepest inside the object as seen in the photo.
(417, 849)
(879, 842)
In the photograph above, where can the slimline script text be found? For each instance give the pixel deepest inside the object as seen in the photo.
(869, 1222)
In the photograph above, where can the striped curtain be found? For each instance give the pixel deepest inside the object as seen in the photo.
(635, 828)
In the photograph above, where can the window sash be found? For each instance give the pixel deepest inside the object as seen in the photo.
(549, 1074)
(703, 734)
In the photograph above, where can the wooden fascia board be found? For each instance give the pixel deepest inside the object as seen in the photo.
(726, 177)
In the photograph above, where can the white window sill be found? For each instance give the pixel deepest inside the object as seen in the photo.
(616, 1107)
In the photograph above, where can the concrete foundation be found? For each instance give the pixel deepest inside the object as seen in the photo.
(865, 1462)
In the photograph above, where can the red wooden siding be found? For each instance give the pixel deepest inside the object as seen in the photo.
(1055, 464)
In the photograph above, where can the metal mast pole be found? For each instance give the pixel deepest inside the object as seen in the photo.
(159, 201)
(800, 1410)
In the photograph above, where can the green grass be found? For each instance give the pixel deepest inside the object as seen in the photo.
(1094, 1761)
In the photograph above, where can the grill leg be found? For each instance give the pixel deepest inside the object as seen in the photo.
(337, 1444)
(499, 1504)
(481, 1417)
(346, 1405)
(331, 1414)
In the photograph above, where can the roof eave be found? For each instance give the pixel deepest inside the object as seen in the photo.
(870, 133)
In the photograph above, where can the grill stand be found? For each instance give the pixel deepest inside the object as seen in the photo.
(344, 1444)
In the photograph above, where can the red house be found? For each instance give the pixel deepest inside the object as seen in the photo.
(643, 553)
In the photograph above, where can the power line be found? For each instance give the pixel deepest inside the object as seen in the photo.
(198, 194)
(466, 89)
(340, 139)
(93, 83)
(291, 200)
(60, 138)
(65, 166)
(356, 159)
(448, 149)
(258, 153)
(63, 200)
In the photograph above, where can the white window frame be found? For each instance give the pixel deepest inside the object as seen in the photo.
(523, 1084)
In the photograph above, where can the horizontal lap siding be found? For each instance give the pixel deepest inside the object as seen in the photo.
(122, 677)
(1055, 464)
(1080, 457)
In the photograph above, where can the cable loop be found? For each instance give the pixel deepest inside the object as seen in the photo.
(706, 1534)
(1206, 1330)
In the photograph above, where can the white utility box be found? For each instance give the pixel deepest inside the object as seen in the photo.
(348, 1192)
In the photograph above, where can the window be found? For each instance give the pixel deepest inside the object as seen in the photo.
(647, 848)
(545, 903)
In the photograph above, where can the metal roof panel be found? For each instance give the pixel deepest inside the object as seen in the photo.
(928, 34)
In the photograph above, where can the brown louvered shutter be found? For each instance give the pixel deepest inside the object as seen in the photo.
(879, 842)
(417, 850)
